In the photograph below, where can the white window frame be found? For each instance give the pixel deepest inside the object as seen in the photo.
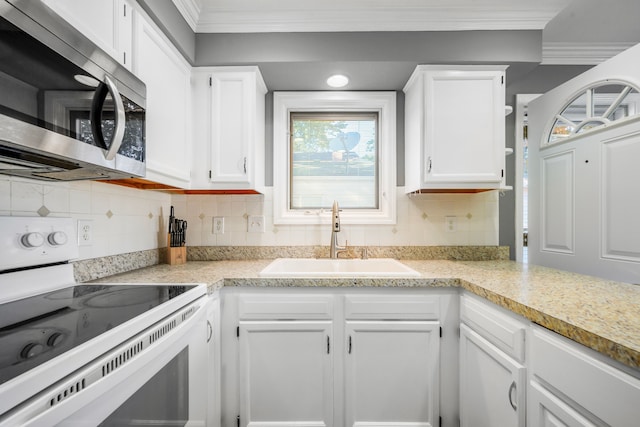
(384, 103)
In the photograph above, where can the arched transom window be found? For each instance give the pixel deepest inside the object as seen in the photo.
(598, 105)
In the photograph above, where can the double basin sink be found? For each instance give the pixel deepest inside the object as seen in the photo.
(326, 267)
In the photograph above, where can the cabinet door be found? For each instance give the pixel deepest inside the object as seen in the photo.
(548, 410)
(106, 23)
(286, 373)
(213, 361)
(167, 76)
(464, 126)
(391, 373)
(237, 127)
(492, 385)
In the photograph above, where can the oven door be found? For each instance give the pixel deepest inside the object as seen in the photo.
(156, 378)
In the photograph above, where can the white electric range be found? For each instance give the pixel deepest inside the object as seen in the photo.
(93, 354)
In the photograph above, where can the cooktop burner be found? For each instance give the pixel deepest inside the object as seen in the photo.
(36, 329)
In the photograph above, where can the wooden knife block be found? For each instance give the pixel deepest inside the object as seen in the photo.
(175, 255)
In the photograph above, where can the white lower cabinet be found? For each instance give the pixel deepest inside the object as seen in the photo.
(492, 372)
(286, 373)
(326, 357)
(330, 359)
(572, 385)
(492, 384)
(213, 362)
(391, 373)
(548, 410)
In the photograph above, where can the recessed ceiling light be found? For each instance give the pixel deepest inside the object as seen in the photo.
(338, 80)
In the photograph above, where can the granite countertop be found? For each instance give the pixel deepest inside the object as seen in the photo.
(600, 314)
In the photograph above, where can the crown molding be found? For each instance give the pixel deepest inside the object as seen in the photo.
(190, 11)
(426, 18)
(580, 53)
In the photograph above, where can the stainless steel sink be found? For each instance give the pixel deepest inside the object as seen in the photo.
(324, 267)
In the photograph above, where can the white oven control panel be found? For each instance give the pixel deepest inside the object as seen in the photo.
(32, 241)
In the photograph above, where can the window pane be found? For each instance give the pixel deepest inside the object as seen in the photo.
(560, 130)
(334, 157)
(577, 110)
(609, 102)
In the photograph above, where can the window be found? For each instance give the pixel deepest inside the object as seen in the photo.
(334, 146)
(333, 158)
(597, 106)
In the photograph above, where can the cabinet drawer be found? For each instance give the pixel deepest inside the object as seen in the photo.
(609, 393)
(500, 329)
(383, 307)
(285, 307)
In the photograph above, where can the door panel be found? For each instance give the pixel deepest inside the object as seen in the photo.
(558, 202)
(620, 206)
(286, 373)
(492, 385)
(391, 373)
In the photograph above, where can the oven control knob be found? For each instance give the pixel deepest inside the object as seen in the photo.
(32, 240)
(31, 350)
(55, 339)
(57, 238)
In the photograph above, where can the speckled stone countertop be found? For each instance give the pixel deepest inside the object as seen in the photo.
(600, 314)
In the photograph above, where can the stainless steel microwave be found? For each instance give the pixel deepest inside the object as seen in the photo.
(68, 111)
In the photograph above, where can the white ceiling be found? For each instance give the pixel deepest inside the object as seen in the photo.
(574, 31)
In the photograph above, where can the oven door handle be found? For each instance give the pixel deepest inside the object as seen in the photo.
(99, 99)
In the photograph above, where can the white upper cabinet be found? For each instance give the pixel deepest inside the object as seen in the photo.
(167, 76)
(454, 128)
(229, 122)
(107, 23)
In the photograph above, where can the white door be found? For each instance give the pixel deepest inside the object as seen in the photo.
(96, 19)
(213, 362)
(584, 200)
(464, 126)
(492, 385)
(548, 410)
(391, 373)
(167, 76)
(233, 110)
(286, 373)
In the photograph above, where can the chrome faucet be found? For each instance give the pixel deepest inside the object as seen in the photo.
(335, 229)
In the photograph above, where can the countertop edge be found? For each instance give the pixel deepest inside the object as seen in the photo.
(503, 283)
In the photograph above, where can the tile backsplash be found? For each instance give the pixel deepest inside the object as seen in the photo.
(421, 222)
(123, 219)
(129, 220)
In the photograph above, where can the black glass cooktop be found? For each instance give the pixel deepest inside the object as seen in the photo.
(36, 329)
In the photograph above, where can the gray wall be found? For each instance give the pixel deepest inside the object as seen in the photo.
(373, 61)
(166, 15)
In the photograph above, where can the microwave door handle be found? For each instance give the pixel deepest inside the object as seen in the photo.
(96, 119)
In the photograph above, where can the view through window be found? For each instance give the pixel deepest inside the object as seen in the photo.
(598, 105)
(334, 156)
